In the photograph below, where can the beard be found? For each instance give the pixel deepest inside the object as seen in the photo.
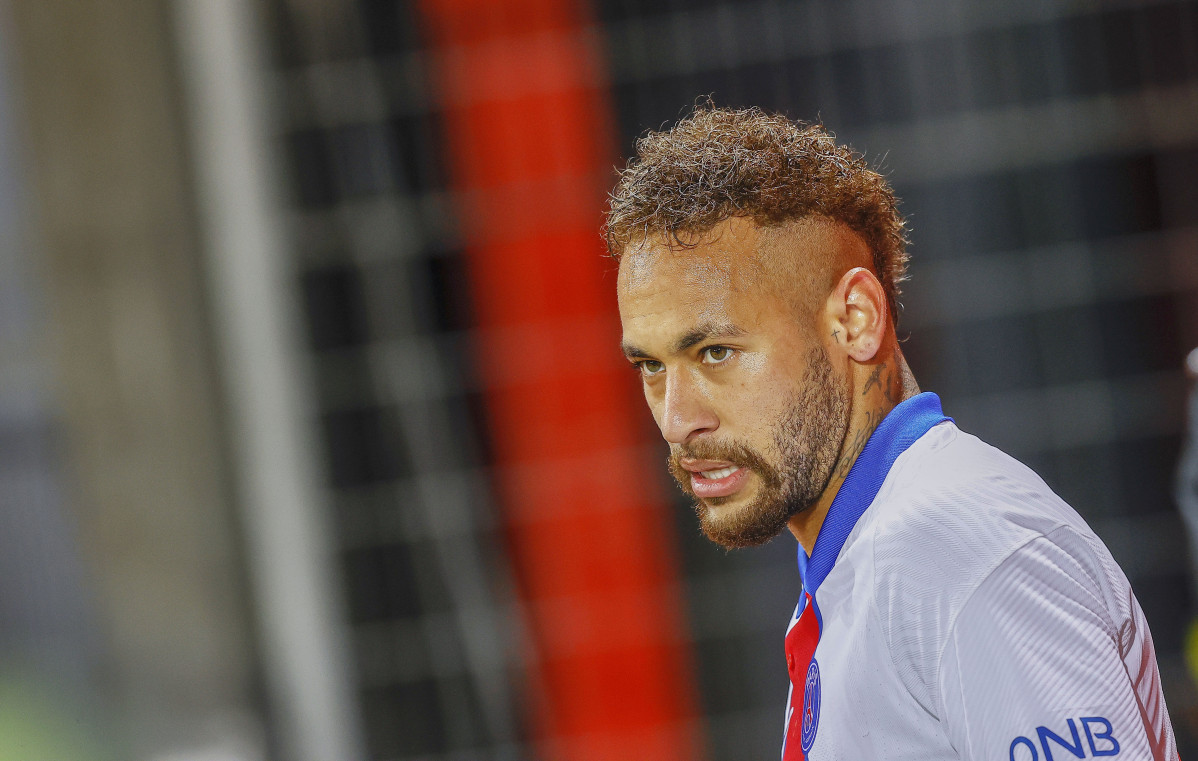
(807, 439)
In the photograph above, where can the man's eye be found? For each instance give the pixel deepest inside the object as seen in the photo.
(650, 366)
(713, 355)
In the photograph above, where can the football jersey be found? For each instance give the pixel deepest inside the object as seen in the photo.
(953, 607)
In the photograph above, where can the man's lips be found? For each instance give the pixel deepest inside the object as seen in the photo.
(714, 478)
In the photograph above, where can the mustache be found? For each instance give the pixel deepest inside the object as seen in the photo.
(732, 452)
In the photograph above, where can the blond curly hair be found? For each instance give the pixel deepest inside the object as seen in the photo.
(721, 163)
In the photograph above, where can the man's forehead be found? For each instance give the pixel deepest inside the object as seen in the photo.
(651, 269)
(727, 256)
(801, 258)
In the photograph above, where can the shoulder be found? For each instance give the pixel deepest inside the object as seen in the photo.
(954, 503)
(951, 512)
(953, 498)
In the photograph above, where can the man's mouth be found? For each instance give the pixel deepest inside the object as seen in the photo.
(714, 479)
(715, 475)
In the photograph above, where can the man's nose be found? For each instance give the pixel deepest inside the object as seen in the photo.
(686, 411)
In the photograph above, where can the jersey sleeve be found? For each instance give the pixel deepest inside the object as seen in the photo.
(1047, 659)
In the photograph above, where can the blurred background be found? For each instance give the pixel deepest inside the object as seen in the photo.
(315, 442)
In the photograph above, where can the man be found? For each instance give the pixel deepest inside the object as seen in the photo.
(1186, 493)
(952, 606)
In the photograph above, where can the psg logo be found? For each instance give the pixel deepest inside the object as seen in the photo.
(810, 706)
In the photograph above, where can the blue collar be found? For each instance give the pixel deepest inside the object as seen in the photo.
(898, 430)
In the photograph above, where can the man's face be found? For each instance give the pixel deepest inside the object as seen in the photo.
(736, 377)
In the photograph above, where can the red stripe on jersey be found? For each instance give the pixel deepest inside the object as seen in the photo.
(800, 649)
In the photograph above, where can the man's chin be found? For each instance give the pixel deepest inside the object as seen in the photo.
(730, 523)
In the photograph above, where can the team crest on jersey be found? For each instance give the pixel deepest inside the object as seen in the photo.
(811, 700)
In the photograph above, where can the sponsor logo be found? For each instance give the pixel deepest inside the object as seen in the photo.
(1086, 737)
(811, 700)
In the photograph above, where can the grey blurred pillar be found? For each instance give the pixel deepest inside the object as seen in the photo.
(111, 217)
(294, 566)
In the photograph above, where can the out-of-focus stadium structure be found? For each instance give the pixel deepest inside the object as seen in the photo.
(313, 431)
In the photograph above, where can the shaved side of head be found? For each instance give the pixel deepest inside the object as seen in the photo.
(791, 272)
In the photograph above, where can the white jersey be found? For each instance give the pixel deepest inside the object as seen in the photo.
(955, 608)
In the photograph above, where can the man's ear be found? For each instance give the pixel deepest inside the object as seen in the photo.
(856, 314)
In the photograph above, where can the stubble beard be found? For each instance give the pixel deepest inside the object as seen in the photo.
(807, 440)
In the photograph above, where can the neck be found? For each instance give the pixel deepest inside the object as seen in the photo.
(875, 389)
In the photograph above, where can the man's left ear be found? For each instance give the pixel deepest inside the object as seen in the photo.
(857, 311)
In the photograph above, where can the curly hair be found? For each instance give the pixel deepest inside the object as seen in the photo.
(720, 163)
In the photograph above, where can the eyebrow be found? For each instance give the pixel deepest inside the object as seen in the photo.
(703, 332)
